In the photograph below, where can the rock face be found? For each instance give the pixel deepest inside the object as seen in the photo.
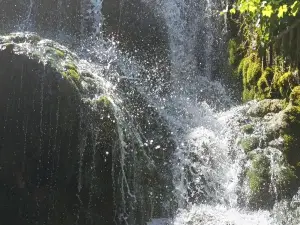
(70, 151)
(269, 140)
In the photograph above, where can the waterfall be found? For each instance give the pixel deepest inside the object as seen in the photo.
(111, 148)
(181, 21)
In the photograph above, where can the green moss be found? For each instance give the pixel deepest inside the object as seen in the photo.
(241, 66)
(286, 179)
(248, 129)
(72, 74)
(291, 135)
(104, 100)
(248, 94)
(232, 50)
(71, 66)
(258, 174)
(263, 89)
(59, 53)
(295, 96)
(264, 84)
(253, 73)
(250, 68)
(249, 144)
(284, 84)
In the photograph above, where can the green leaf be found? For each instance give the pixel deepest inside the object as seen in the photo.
(295, 8)
(282, 9)
(267, 37)
(267, 11)
(243, 8)
(232, 11)
(252, 7)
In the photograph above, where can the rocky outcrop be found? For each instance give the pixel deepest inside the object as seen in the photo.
(74, 147)
(269, 138)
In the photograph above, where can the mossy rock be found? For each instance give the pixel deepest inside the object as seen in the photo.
(259, 179)
(59, 53)
(250, 143)
(104, 100)
(286, 83)
(73, 75)
(295, 96)
(286, 181)
(266, 106)
(291, 134)
(50, 53)
(248, 129)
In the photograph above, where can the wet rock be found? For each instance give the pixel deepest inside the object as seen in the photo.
(266, 106)
(271, 148)
(71, 150)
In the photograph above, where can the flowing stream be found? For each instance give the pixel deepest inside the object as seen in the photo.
(208, 162)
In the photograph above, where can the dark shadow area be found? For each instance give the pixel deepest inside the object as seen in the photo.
(47, 153)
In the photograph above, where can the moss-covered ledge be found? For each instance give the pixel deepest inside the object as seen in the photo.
(46, 51)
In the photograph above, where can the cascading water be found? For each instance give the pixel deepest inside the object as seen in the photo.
(208, 164)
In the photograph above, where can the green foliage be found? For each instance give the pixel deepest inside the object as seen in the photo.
(267, 11)
(282, 10)
(295, 8)
(261, 20)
